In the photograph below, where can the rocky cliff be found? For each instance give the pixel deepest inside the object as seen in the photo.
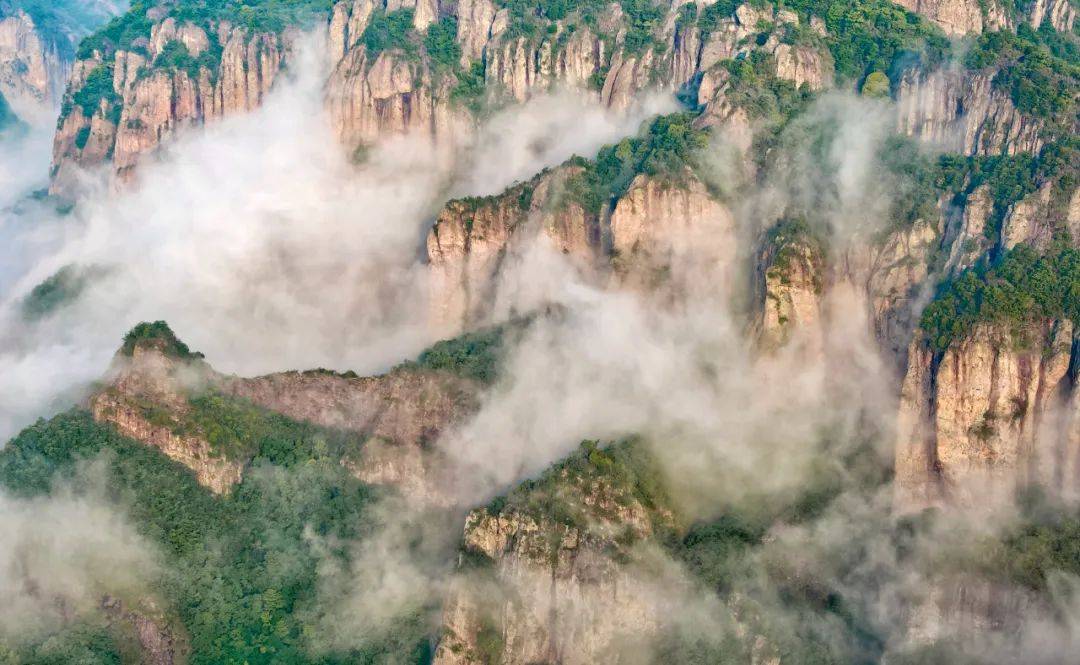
(544, 575)
(123, 102)
(962, 111)
(183, 73)
(400, 414)
(961, 17)
(145, 399)
(34, 64)
(790, 282)
(152, 395)
(976, 421)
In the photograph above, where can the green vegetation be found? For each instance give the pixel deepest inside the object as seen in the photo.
(627, 470)
(755, 88)
(1038, 81)
(256, 15)
(60, 289)
(441, 44)
(119, 33)
(241, 570)
(476, 355)
(665, 150)
(876, 85)
(97, 89)
(791, 240)
(160, 334)
(470, 89)
(1038, 548)
(1010, 178)
(918, 180)
(387, 31)
(175, 55)
(1016, 291)
(238, 430)
(865, 36)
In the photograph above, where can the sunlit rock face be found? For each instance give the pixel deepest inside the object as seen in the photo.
(962, 112)
(978, 420)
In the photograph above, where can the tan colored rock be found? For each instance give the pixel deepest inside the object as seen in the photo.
(958, 17)
(626, 77)
(33, 68)
(1061, 14)
(475, 18)
(969, 421)
(471, 238)
(672, 230)
(962, 112)
(152, 107)
(803, 65)
(190, 35)
(555, 592)
(142, 402)
(160, 643)
(967, 236)
(897, 279)
(791, 281)
(392, 95)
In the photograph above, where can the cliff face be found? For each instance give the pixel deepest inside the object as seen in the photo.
(401, 414)
(122, 105)
(959, 17)
(962, 112)
(160, 643)
(790, 279)
(33, 65)
(472, 239)
(659, 231)
(144, 401)
(553, 590)
(672, 230)
(976, 422)
(398, 415)
(397, 90)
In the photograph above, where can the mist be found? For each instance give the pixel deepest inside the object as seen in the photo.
(253, 224)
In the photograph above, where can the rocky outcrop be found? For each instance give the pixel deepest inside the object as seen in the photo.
(960, 17)
(973, 420)
(145, 401)
(401, 415)
(897, 277)
(149, 101)
(159, 642)
(398, 415)
(33, 65)
(391, 94)
(371, 95)
(662, 230)
(553, 591)
(1033, 220)
(469, 245)
(803, 65)
(1061, 14)
(961, 111)
(670, 229)
(790, 282)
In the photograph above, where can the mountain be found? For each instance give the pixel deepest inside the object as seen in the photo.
(786, 375)
(37, 47)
